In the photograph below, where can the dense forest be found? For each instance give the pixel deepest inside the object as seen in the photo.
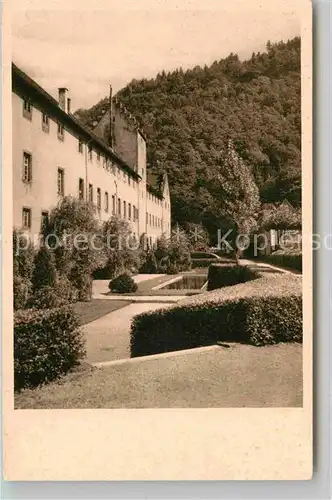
(189, 117)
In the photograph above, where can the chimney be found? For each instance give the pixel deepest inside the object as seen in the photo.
(63, 98)
(68, 105)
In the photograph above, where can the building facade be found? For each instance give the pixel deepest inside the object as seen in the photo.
(54, 155)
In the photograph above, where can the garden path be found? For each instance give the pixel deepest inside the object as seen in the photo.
(108, 338)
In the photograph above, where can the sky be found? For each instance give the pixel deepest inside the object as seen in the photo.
(88, 45)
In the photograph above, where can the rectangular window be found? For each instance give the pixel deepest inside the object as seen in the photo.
(80, 146)
(61, 182)
(27, 109)
(98, 156)
(90, 193)
(113, 204)
(129, 211)
(106, 201)
(150, 219)
(119, 207)
(81, 189)
(61, 132)
(98, 198)
(147, 218)
(90, 153)
(124, 210)
(44, 221)
(129, 180)
(26, 218)
(27, 167)
(45, 122)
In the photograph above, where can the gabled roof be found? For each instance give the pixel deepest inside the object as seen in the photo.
(22, 84)
(129, 118)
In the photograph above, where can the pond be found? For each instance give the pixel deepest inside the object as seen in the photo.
(187, 283)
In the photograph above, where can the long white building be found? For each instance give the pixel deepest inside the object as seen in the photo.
(54, 155)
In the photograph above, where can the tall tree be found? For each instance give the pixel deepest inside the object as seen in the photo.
(239, 195)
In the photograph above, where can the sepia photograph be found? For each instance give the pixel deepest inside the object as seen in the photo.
(157, 223)
(157, 239)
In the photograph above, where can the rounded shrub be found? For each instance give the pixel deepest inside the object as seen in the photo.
(123, 284)
(47, 344)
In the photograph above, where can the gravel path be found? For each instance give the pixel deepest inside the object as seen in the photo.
(108, 338)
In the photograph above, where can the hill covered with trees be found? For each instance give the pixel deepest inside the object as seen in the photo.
(190, 116)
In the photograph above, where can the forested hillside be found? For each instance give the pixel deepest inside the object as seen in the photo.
(189, 116)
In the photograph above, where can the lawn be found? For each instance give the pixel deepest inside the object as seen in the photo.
(219, 377)
(96, 308)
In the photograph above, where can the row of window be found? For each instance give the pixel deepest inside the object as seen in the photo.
(120, 209)
(153, 221)
(154, 198)
(27, 218)
(27, 113)
(132, 210)
(27, 176)
(27, 215)
(27, 172)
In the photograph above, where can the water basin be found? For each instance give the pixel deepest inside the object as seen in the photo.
(196, 282)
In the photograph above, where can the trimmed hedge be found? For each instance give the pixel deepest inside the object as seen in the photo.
(47, 344)
(266, 310)
(284, 258)
(221, 275)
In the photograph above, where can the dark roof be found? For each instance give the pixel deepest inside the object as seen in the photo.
(23, 84)
(129, 118)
